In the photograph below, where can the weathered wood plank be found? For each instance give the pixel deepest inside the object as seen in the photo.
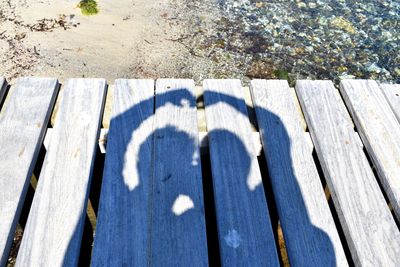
(255, 136)
(53, 233)
(22, 128)
(370, 230)
(178, 233)
(122, 232)
(3, 87)
(392, 94)
(298, 108)
(379, 130)
(310, 234)
(203, 141)
(244, 227)
(102, 139)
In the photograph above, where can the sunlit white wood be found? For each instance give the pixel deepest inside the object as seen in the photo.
(53, 233)
(370, 230)
(22, 127)
(379, 130)
(392, 94)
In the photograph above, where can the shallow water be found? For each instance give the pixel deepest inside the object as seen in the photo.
(309, 39)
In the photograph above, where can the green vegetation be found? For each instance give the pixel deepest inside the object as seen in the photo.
(282, 74)
(88, 7)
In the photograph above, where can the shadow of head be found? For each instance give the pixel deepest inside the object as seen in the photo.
(235, 168)
(170, 139)
(176, 153)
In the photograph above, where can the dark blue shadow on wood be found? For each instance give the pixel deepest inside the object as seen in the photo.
(140, 246)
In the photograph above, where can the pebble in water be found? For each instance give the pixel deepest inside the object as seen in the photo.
(322, 39)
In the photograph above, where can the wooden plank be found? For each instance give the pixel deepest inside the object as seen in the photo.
(310, 234)
(22, 128)
(102, 139)
(3, 87)
(255, 137)
(203, 141)
(122, 231)
(392, 94)
(370, 230)
(53, 233)
(178, 233)
(244, 227)
(298, 108)
(379, 130)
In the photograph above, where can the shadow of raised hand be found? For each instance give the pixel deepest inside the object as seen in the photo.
(134, 196)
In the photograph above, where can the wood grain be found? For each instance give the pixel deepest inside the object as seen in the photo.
(22, 128)
(370, 230)
(122, 232)
(310, 234)
(178, 233)
(203, 141)
(392, 94)
(3, 87)
(379, 130)
(53, 233)
(244, 226)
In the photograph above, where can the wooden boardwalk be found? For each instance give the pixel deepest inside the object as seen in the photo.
(198, 176)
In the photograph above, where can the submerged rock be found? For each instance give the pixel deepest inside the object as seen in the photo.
(343, 24)
(375, 68)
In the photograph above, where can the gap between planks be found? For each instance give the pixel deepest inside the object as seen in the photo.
(392, 94)
(3, 88)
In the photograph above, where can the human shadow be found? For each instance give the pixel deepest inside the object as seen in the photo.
(307, 245)
(128, 224)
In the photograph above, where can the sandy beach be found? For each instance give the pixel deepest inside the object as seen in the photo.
(125, 39)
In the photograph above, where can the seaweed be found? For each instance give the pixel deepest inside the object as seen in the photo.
(88, 7)
(282, 74)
